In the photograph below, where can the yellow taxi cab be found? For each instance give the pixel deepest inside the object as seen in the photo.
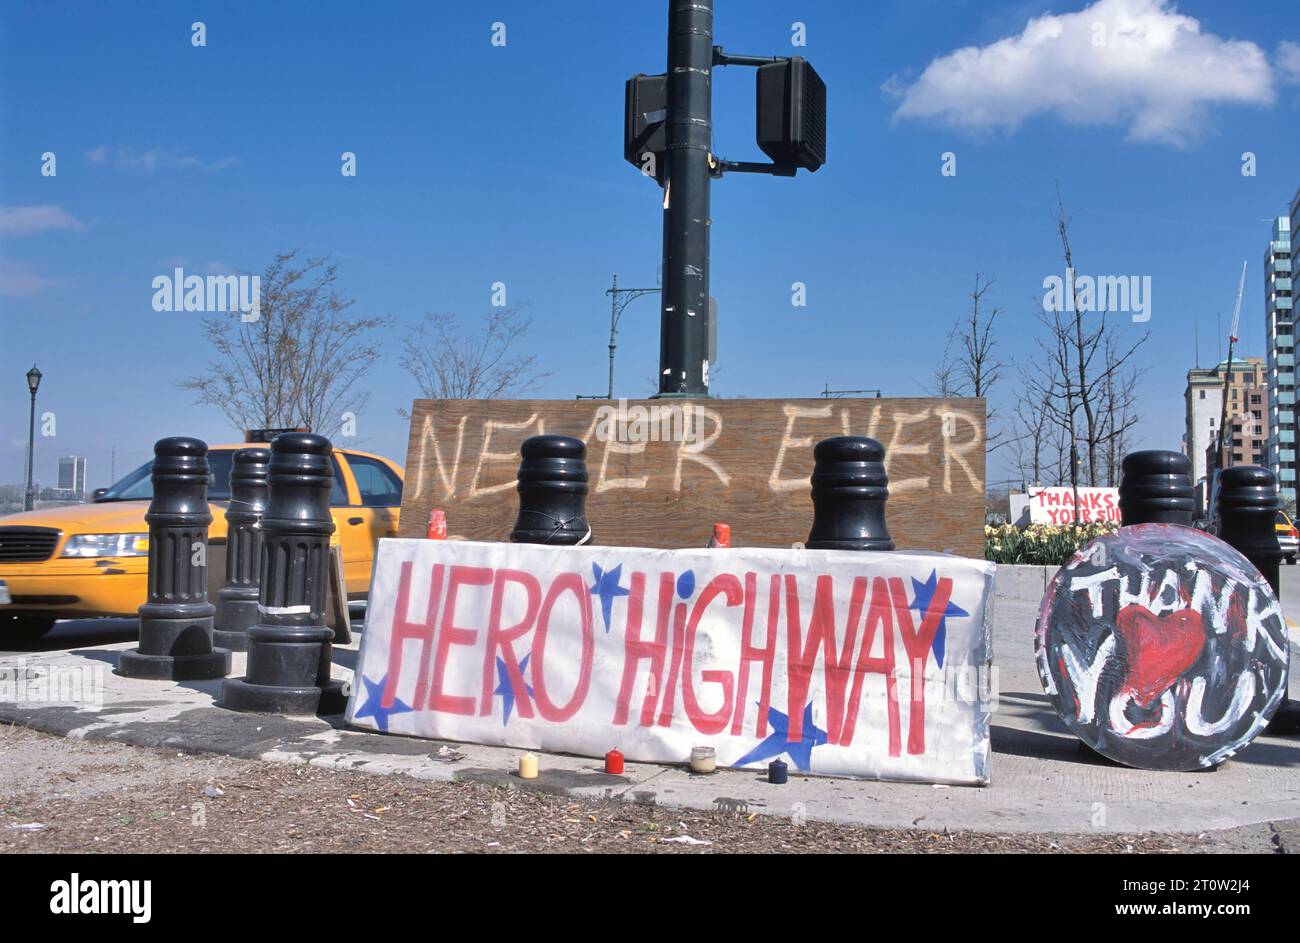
(1288, 537)
(92, 559)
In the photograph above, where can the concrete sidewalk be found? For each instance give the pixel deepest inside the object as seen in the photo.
(1042, 779)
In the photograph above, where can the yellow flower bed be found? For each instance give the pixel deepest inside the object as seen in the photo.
(1041, 544)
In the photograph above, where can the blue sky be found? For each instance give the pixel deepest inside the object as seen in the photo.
(479, 163)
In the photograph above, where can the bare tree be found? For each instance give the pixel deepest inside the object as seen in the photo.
(1051, 382)
(298, 362)
(977, 364)
(973, 368)
(1084, 379)
(1037, 447)
(1060, 452)
(1118, 410)
(448, 363)
(1032, 444)
(944, 381)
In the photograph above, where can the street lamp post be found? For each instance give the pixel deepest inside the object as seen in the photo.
(620, 298)
(33, 381)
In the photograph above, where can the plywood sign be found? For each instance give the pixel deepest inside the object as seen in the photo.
(663, 471)
(852, 664)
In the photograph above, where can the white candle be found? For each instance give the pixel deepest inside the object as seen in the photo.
(528, 766)
(703, 760)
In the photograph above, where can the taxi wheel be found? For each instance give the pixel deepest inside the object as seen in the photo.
(24, 628)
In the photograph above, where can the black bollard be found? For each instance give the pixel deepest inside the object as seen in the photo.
(237, 599)
(1247, 516)
(552, 492)
(849, 491)
(289, 648)
(176, 621)
(1247, 508)
(1155, 487)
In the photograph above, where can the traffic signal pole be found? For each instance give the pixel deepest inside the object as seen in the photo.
(683, 332)
(668, 136)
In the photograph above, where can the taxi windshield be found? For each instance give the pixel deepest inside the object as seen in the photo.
(137, 486)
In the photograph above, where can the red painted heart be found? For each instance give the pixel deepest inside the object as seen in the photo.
(1158, 648)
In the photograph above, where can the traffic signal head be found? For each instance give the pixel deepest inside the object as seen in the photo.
(645, 138)
(791, 126)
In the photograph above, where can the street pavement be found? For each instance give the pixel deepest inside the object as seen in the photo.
(1042, 779)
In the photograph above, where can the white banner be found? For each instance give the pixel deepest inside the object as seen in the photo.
(874, 665)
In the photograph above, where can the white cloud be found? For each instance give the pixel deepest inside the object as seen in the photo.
(156, 159)
(1136, 63)
(148, 161)
(17, 280)
(30, 220)
(221, 163)
(1288, 62)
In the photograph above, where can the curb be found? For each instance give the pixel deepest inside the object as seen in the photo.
(1042, 782)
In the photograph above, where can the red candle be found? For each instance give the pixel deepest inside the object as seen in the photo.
(614, 762)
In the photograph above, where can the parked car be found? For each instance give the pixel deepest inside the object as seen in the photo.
(1288, 537)
(88, 560)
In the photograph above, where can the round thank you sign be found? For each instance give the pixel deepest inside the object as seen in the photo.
(1162, 647)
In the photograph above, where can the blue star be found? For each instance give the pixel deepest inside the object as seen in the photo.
(506, 689)
(375, 703)
(777, 741)
(924, 593)
(607, 588)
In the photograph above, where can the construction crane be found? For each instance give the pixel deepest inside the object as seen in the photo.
(1219, 461)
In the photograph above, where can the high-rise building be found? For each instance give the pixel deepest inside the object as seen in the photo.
(1279, 332)
(1246, 443)
(72, 474)
(1204, 398)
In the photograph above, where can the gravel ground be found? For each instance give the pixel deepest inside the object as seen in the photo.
(60, 795)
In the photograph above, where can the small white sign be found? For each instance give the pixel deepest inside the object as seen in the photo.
(1056, 506)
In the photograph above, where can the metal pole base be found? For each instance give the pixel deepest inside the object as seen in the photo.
(234, 641)
(198, 667)
(334, 697)
(236, 614)
(239, 694)
(288, 673)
